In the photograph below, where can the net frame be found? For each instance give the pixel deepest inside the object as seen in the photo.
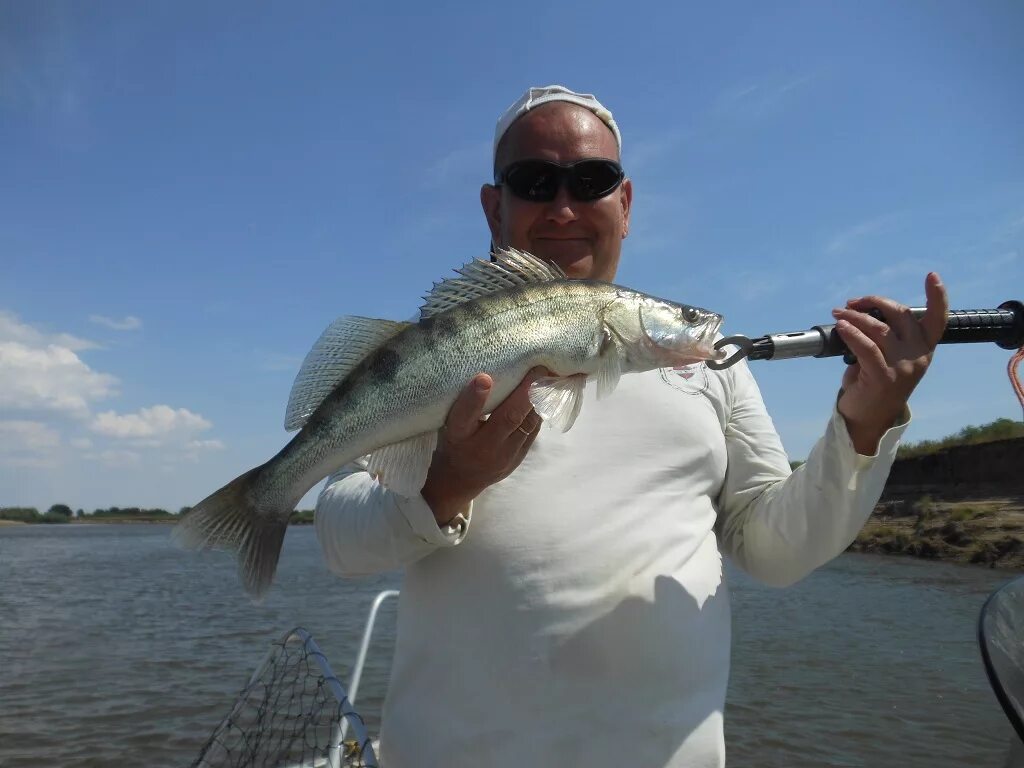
(293, 713)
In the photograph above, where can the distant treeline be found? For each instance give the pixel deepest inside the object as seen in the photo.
(62, 513)
(1000, 429)
(31, 515)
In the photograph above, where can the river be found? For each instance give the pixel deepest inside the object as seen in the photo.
(118, 648)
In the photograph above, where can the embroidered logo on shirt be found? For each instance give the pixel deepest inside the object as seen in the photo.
(691, 379)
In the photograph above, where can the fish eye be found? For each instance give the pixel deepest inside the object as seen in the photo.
(691, 314)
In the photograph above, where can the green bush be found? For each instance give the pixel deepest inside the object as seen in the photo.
(1000, 429)
(19, 514)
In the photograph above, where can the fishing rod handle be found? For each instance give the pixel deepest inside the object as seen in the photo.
(1004, 326)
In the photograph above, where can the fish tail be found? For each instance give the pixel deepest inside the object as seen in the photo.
(233, 519)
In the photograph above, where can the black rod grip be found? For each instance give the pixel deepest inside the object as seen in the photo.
(1003, 325)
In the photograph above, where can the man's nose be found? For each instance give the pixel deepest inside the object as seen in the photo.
(562, 208)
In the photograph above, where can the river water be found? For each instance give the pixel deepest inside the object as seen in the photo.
(117, 648)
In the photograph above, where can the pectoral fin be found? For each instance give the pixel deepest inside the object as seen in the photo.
(610, 372)
(402, 467)
(558, 399)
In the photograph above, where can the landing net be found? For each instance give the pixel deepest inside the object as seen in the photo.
(294, 713)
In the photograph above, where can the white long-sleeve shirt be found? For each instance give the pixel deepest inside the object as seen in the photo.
(579, 616)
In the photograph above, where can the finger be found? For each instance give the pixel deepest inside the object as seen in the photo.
(872, 327)
(897, 316)
(524, 448)
(464, 417)
(937, 309)
(528, 428)
(869, 356)
(506, 418)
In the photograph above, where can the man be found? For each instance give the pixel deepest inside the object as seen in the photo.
(563, 601)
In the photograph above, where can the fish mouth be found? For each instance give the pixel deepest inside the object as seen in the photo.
(708, 337)
(684, 345)
(703, 346)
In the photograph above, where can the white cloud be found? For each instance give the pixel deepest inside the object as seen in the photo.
(758, 99)
(27, 444)
(195, 449)
(153, 425)
(206, 445)
(52, 378)
(42, 371)
(13, 329)
(129, 323)
(845, 240)
(115, 458)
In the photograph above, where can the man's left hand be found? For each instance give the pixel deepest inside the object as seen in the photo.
(891, 359)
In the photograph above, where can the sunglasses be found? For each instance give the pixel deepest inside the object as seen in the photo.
(538, 181)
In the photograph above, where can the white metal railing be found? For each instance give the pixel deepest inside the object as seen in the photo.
(364, 647)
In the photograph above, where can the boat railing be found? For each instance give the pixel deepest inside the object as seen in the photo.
(364, 648)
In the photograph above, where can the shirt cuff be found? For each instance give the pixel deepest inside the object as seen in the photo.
(421, 520)
(887, 444)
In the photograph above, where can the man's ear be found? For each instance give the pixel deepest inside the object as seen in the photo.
(626, 199)
(490, 200)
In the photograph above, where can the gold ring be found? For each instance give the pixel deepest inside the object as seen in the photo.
(524, 431)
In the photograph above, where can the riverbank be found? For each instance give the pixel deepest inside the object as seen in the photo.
(963, 504)
(986, 531)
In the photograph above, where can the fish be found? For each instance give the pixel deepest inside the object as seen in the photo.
(382, 388)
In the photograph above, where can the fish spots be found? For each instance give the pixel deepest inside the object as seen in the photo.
(384, 365)
(438, 328)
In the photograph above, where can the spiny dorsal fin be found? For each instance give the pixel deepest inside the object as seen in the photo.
(340, 348)
(480, 278)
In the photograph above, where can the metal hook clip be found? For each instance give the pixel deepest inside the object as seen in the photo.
(745, 345)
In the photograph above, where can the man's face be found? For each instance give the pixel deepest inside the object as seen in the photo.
(583, 238)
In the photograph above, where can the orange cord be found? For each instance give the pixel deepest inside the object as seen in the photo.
(1011, 369)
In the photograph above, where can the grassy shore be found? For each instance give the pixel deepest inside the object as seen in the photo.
(983, 531)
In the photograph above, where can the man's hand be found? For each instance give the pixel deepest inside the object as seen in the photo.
(473, 453)
(891, 359)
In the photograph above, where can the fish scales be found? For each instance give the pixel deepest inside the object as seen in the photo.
(504, 335)
(515, 314)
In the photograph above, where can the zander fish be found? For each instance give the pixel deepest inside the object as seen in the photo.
(384, 388)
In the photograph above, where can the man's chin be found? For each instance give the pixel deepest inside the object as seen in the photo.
(574, 265)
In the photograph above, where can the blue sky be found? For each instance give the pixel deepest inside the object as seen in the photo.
(191, 192)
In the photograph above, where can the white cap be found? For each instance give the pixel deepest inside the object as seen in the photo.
(534, 97)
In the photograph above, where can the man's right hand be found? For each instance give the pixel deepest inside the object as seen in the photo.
(473, 453)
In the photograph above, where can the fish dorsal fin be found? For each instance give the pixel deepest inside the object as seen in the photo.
(509, 269)
(340, 348)
(402, 467)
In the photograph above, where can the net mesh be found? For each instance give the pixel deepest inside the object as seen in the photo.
(293, 712)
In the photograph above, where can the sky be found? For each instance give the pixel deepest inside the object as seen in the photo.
(191, 192)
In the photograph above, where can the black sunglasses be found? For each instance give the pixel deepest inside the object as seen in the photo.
(538, 181)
